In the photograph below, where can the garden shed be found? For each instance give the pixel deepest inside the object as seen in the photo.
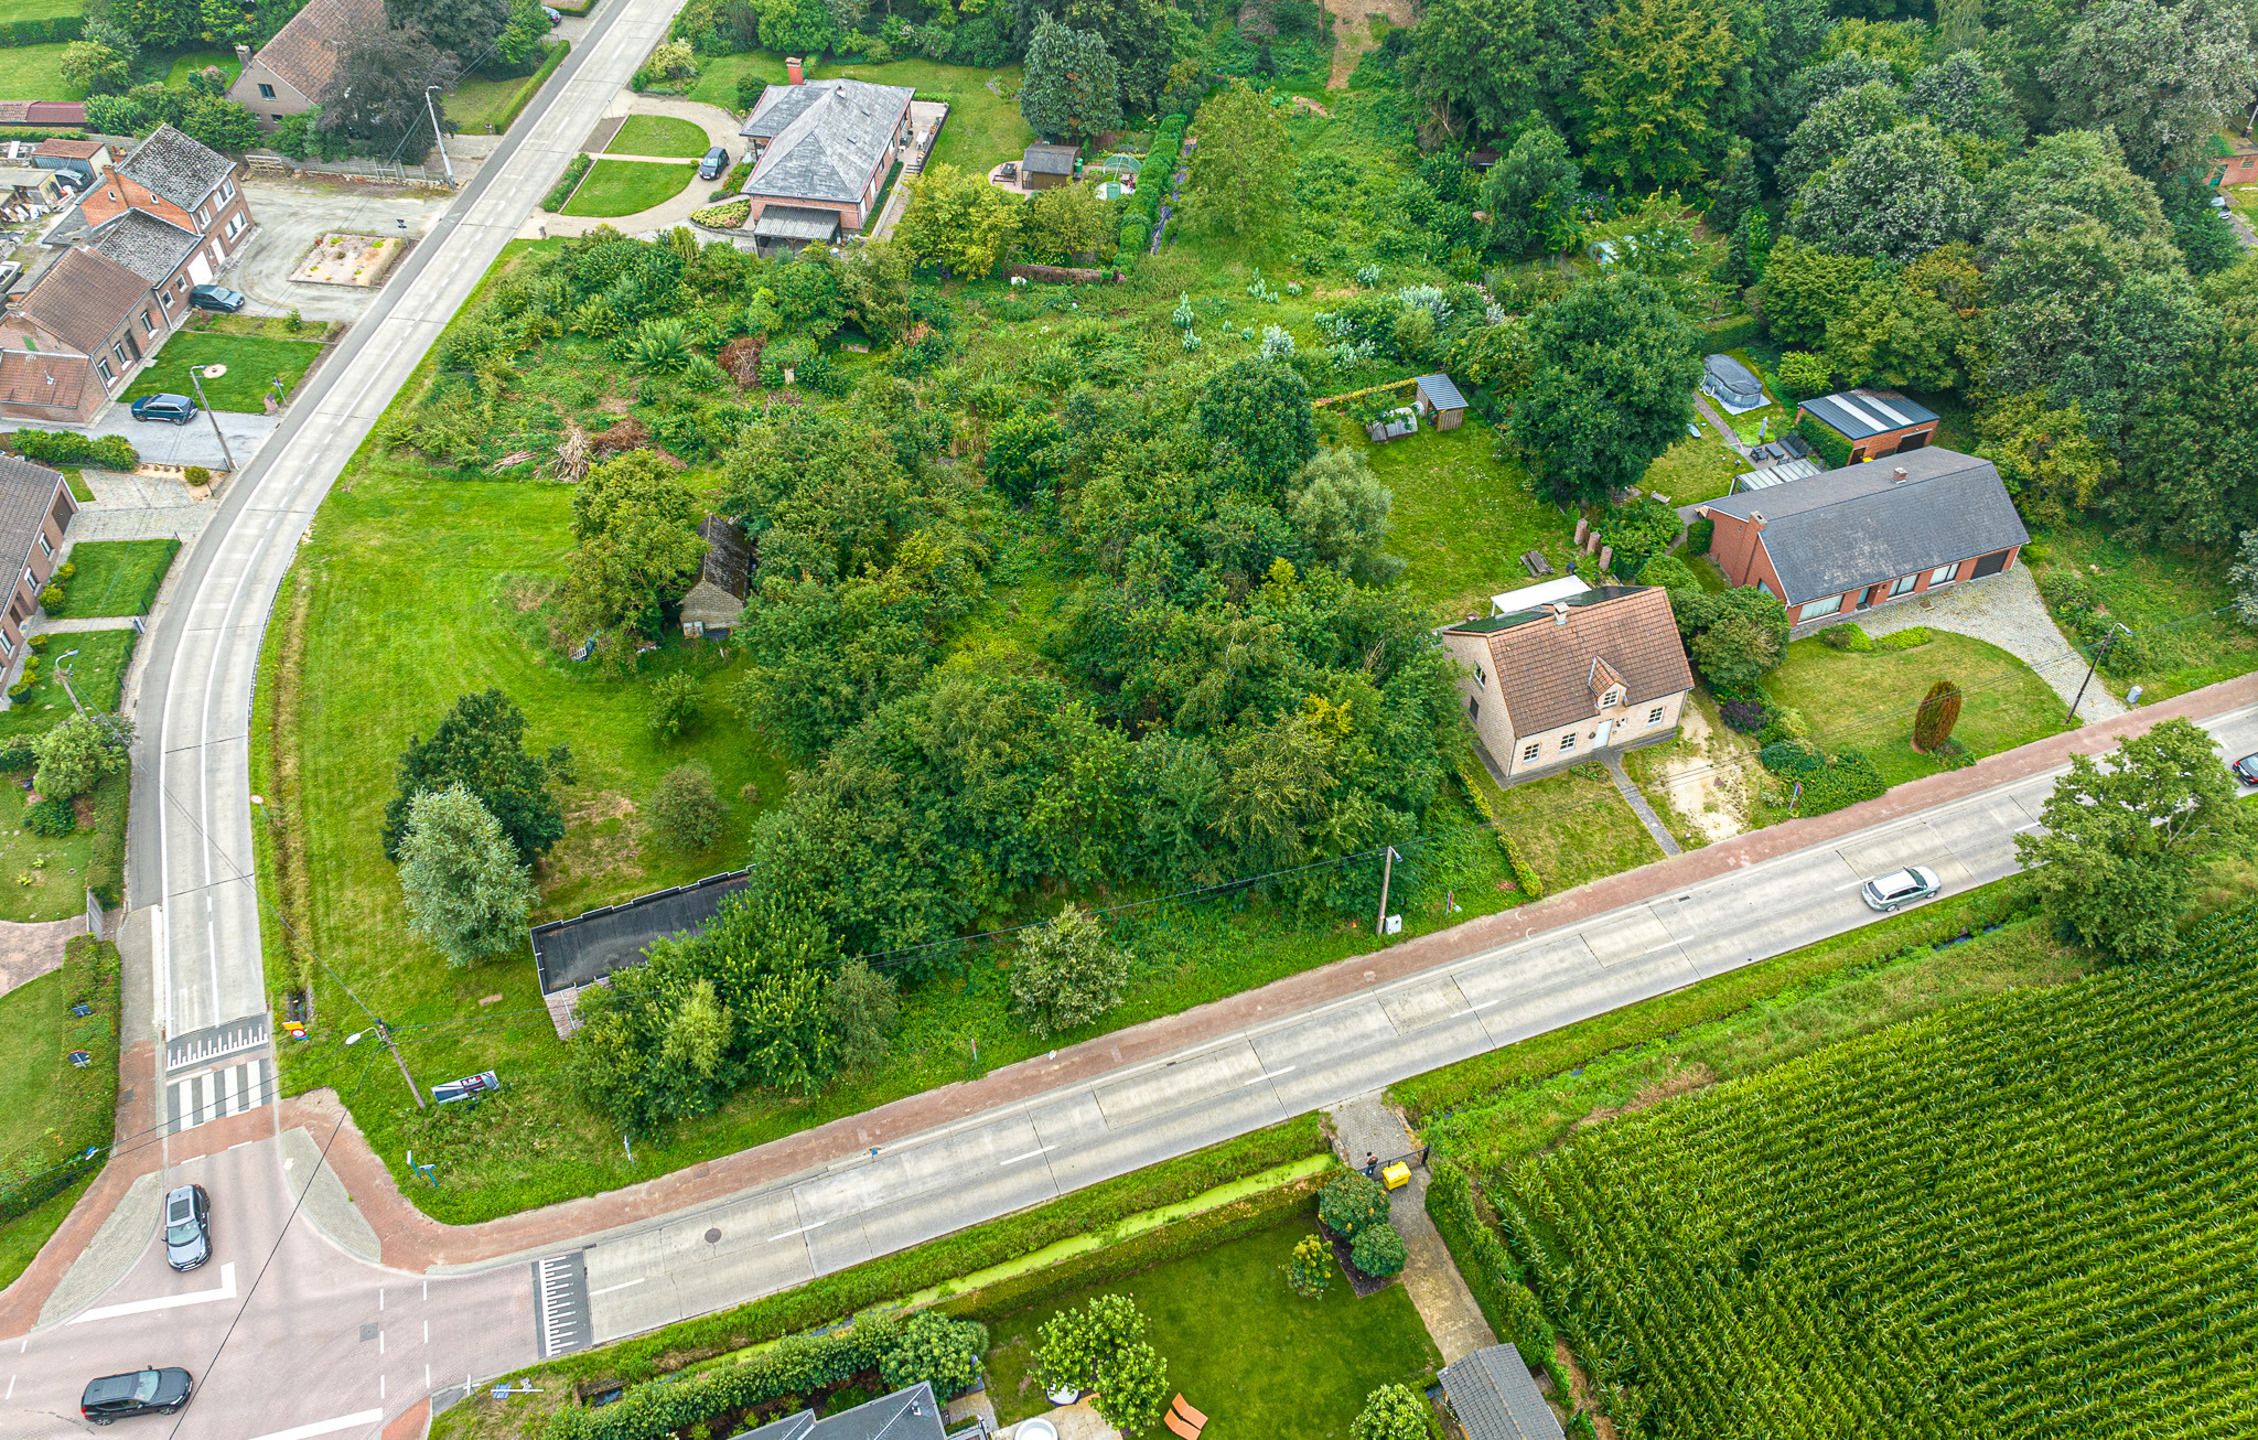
(713, 604)
(1044, 166)
(1439, 400)
(570, 955)
(1397, 423)
(1495, 1398)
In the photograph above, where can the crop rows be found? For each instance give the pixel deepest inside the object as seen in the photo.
(2036, 1215)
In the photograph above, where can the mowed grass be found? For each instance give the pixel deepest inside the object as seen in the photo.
(35, 72)
(2174, 600)
(1571, 827)
(252, 366)
(97, 673)
(1463, 517)
(628, 187)
(1867, 702)
(115, 577)
(1694, 469)
(659, 135)
(189, 62)
(44, 9)
(983, 128)
(1260, 1360)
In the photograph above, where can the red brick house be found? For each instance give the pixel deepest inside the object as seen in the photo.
(1873, 422)
(70, 342)
(1560, 681)
(1833, 544)
(172, 212)
(35, 509)
(821, 152)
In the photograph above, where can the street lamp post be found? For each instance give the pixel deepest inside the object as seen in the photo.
(211, 415)
(64, 675)
(2098, 652)
(437, 138)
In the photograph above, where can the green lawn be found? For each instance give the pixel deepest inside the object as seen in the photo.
(43, 9)
(1694, 469)
(1572, 827)
(51, 1110)
(983, 128)
(628, 187)
(1462, 518)
(662, 135)
(35, 72)
(189, 62)
(115, 577)
(2170, 598)
(1867, 702)
(487, 104)
(1261, 1361)
(97, 673)
(251, 364)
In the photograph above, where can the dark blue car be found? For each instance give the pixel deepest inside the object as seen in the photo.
(179, 409)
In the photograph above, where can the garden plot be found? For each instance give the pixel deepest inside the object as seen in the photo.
(356, 260)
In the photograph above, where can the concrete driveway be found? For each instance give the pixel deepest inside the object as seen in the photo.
(2004, 609)
(293, 214)
(190, 444)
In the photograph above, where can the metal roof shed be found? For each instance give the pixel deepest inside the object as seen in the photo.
(1494, 1398)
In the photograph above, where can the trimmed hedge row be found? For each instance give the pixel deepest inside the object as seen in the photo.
(30, 1179)
(1491, 1273)
(51, 30)
(1830, 446)
(795, 1365)
(66, 447)
(1525, 877)
(1141, 211)
(936, 1262)
(575, 169)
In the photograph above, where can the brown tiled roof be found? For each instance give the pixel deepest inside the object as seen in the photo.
(55, 112)
(58, 149)
(27, 493)
(1543, 660)
(303, 53)
(83, 298)
(24, 379)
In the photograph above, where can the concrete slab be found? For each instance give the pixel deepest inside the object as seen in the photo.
(190, 444)
(110, 1257)
(293, 214)
(1214, 1072)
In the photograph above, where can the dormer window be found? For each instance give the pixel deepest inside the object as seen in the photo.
(1609, 700)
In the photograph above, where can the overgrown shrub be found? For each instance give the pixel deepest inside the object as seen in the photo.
(1378, 1251)
(1851, 637)
(1746, 716)
(1351, 1203)
(1909, 638)
(1310, 1271)
(1699, 535)
(50, 816)
(937, 1349)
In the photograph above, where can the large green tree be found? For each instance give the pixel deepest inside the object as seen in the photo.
(1483, 65)
(1530, 194)
(376, 95)
(1138, 33)
(465, 888)
(1394, 1412)
(2159, 76)
(1611, 387)
(1805, 288)
(1256, 413)
(1242, 172)
(1341, 510)
(958, 221)
(636, 524)
(2123, 836)
(460, 28)
(2187, 458)
(1893, 197)
(1667, 84)
(1836, 123)
(1101, 1347)
(1068, 972)
(480, 745)
(1072, 89)
(79, 753)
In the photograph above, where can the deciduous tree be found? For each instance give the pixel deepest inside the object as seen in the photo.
(1256, 413)
(1341, 510)
(2122, 838)
(1072, 89)
(1101, 1347)
(639, 547)
(1893, 197)
(960, 222)
(1530, 194)
(686, 810)
(1068, 972)
(864, 1002)
(1666, 83)
(466, 890)
(1067, 222)
(1611, 387)
(1394, 1412)
(1241, 174)
(1837, 123)
(481, 746)
(79, 754)
(376, 94)
(460, 28)
(2159, 76)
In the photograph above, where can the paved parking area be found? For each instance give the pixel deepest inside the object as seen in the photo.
(2005, 610)
(191, 444)
(293, 214)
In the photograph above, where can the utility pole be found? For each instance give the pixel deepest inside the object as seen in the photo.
(206, 406)
(437, 138)
(384, 1033)
(1387, 873)
(2098, 652)
(64, 676)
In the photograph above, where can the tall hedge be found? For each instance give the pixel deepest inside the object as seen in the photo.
(795, 1365)
(52, 30)
(1490, 1270)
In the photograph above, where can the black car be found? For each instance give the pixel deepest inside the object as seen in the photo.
(188, 1228)
(143, 1392)
(175, 409)
(715, 165)
(217, 297)
(2246, 769)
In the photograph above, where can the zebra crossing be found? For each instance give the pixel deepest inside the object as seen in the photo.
(192, 1100)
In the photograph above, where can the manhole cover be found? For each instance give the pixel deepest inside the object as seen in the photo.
(713, 1236)
(214, 372)
(368, 1332)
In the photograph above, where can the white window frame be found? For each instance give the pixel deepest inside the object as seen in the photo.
(227, 191)
(148, 325)
(235, 224)
(1654, 716)
(102, 368)
(1609, 700)
(45, 548)
(1481, 676)
(1568, 742)
(7, 646)
(1820, 609)
(1532, 750)
(1944, 575)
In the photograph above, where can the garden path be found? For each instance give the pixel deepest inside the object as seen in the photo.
(1637, 801)
(2004, 609)
(1369, 1125)
(28, 951)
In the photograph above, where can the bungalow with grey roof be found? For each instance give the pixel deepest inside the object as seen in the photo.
(1874, 422)
(822, 151)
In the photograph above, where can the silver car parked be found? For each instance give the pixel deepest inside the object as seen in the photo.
(188, 1228)
(1900, 887)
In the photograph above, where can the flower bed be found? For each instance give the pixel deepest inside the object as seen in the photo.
(342, 259)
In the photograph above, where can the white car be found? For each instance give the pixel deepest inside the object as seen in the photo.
(1900, 887)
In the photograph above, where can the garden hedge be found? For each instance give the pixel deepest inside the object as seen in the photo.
(1830, 446)
(64, 447)
(794, 1365)
(49, 30)
(1514, 1313)
(1525, 878)
(90, 977)
(575, 170)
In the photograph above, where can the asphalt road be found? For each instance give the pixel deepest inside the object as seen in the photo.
(800, 1226)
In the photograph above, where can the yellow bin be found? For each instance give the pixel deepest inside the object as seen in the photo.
(1397, 1175)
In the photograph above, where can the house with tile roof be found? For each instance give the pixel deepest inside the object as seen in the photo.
(1834, 544)
(822, 151)
(1493, 1396)
(35, 509)
(912, 1414)
(291, 73)
(68, 344)
(173, 212)
(1553, 675)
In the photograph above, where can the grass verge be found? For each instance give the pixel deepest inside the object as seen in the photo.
(115, 577)
(489, 105)
(628, 187)
(52, 1111)
(97, 674)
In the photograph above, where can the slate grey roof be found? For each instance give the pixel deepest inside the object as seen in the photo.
(825, 139)
(149, 247)
(717, 597)
(27, 492)
(1047, 159)
(1840, 529)
(177, 168)
(1441, 392)
(1860, 414)
(911, 1414)
(796, 222)
(593, 944)
(1492, 1395)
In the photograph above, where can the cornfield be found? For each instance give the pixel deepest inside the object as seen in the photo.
(2035, 1215)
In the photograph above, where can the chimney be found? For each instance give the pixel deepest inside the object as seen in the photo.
(242, 54)
(793, 72)
(1559, 612)
(1756, 520)
(1897, 475)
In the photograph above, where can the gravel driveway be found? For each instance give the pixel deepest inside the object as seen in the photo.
(2005, 610)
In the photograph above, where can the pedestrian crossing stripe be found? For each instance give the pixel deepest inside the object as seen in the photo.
(193, 1100)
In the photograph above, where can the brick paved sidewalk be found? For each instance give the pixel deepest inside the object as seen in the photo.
(414, 1241)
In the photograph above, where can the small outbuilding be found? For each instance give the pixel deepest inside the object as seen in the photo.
(1495, 1398)
(1394, 425)
(1875, 422)
(1439, 401)
(1731, 384)
(712, 605)
(1044, 166)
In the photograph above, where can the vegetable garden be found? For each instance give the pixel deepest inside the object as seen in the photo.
(2022, 1216)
